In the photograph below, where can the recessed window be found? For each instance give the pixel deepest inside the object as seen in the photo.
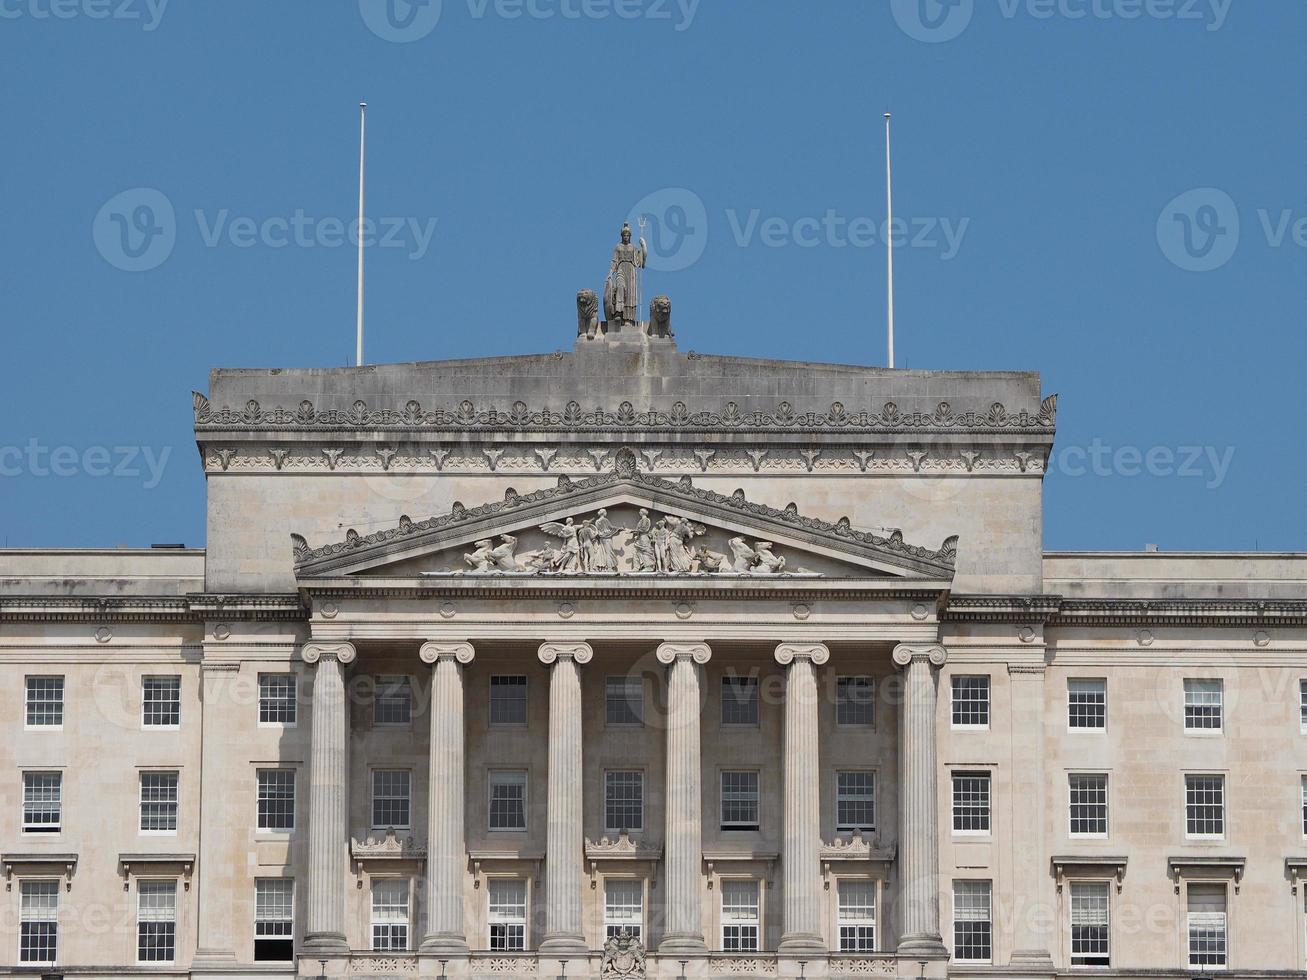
(390, 915)
(38, 936)
(1202, 704)
(624, 800)
(1088, 804)
(508, 699)
(276, 799)
(1304, 806)
(623, 908)
(739, 800)
(855, 800)
(1090, 926)
(741, 922)
(507, 915)
(855, 701)
(970, 701)
(42, 802)
(393, 702)
(973, 925)
(45, 702)
(1207, 925)
(1302, 705)
(278, 699)
(1086, 703)
(739, 700)
(971, 802)
(159, 802)
(624, 700)
(391, 796)
(274, 920)
(1204, 805)
(161, 702)
(857, 913)
(156, 921)
(508, 800)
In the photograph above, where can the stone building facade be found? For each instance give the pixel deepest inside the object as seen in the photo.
(632, 661)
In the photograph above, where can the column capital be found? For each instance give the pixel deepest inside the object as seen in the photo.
(549, 652)
(787, 653)
(432, 651)
(312, 652)
(906, 653)
(669, 653)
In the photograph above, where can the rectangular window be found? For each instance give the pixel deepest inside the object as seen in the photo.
(739, 700)
(508, 699)
(390, 798)
(1202, 704)
(855, 800)
(390, 915)
(1207, 925)
(274, 919)
(971, 701)
(973, 926)
(278, 699)
(740, 919)
(276, 799)
(161, 702)
(42, 802)
(624, 800)
(1304, 806)
(1088, 804)
(857, 916)
(507, 915)
(38, 940)
(156, 921)
(624, 700)
(971, 803)
(393, 702)
(159, 802)
(1090, 930)
(739, 800)
(1086, 704)
(45, 702)
(508, 800)
(1204, 806)
(624, 908)
(1302, 705)
(855, 701)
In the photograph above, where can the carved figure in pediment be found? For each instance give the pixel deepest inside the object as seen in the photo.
(767, 561)
(680, 533)
(505, 559)
(710, 561)
(642, 544)
(660, 536)
(482, 558)
(604, 534)
(569, 558)
(743, 557)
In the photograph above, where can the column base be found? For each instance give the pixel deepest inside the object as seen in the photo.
(688, 944)
(794, 943)
(922, 944)
(444, 942)
(324, 942)
(561, 943)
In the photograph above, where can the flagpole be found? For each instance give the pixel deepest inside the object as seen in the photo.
(889, 243)
(363, 107)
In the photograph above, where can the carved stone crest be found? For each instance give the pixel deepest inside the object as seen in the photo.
(623, 958)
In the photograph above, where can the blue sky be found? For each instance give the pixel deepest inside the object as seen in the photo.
(1107, 191)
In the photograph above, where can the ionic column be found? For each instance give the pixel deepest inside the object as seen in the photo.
(328, 798)
(683, 847)
(918, 810)
(446, 834)
(564, 855)
(801, 859)
(216, 946)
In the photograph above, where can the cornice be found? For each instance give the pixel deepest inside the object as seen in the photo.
(152, 609)
(1056, 610)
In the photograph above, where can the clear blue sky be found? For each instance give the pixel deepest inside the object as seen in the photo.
(1051, 137)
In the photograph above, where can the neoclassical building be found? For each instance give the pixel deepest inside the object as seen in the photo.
(632, 661)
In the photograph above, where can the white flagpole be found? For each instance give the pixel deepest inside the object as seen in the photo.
(363, 107)
(889, 242)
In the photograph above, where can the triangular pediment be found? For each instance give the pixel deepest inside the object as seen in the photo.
(648, 527)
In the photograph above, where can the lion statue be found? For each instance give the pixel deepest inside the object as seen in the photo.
(587, 314)
(660, 317)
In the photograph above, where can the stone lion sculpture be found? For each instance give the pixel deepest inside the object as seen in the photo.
(660, 317)
(587, 314)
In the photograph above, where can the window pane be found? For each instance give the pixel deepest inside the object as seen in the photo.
(854, 701)
(45, 701)
(624, 800)
(156, 921)
(507, 914)
(624, 701)
(276, 799)
(739, 700)
(1204, 806)
(1202, 704)
(508, 699)
(855, 800)
(971, 802)
(972, 923)
(274, 919)
(857, 915)
(623, 908)
(38, 921)
(393, 703)
(42, 802)
(508, 801)
(390, 915)
(1086, 704)
(1089, 924)
(971, 701)
(739, 801)
(740, 922)
(159, 801)
(1207, 925)
(1088, 804)
(277, 699)
(390, 798)
(161, 702)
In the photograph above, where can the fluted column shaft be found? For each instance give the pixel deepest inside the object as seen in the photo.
(328, 798)
(446, 833)
(683, 846)
(918, 805)
(564, 855)
(801, 860)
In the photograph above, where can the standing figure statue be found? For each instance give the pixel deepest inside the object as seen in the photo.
(643, 544)
(606, 556)
(621, 291)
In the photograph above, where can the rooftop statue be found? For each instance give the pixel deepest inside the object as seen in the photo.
(622, 291)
